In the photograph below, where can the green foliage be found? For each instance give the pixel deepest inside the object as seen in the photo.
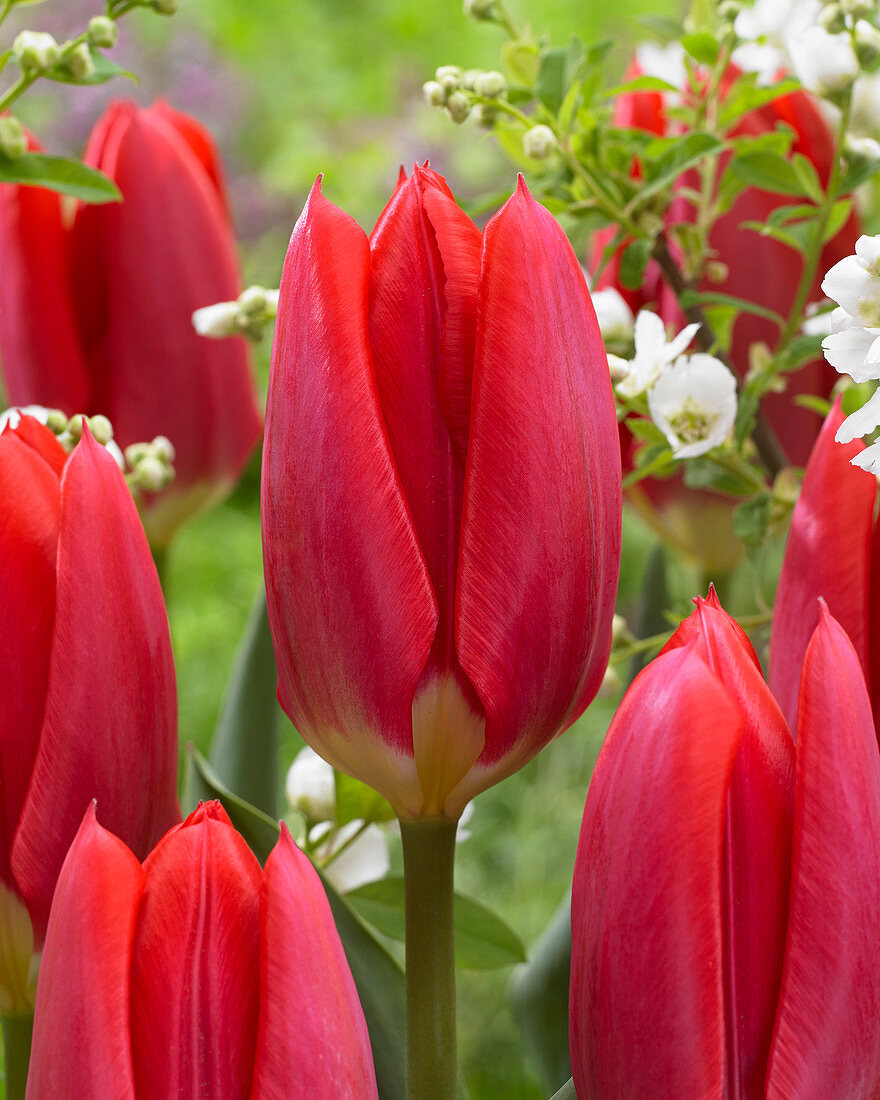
(64, 174)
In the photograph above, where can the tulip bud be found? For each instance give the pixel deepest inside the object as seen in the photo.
(434, 93)
(103, 32)
(459, 106)
(79, 62)
(13, 142)
(35, 51)
(539, 142)
(491, 85)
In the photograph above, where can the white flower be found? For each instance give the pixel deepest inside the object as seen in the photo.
(613, 314)
(817, 321)
(851, 348)
(664, 62)
(693, 402)
(765, 29)
(311, 786)
(862, 422)
(361, 860)
(217, 321)
(653, 352)
(823, 62)
(868, 459)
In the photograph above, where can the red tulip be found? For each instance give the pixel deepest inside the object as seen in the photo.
(832, 552)
(195, 974)
(120, 286)
(726, 902)
(759, 270)
(441, 492)
(89, 699)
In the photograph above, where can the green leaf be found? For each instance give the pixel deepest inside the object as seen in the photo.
(702, 47)
(356, 800)
(703, 473)
(808, 177)
(105, 70)
(539, 998)
(750, 519)
(692, 297)
(482, 939)
(795, 235)
(633, 262)
(63, 174)
(768, 171)
(861, 171)
(837, 219)
(521, 62)
(641, 84)
(645, 429)
(666, 158)
(566, 1092)
(820, 405)
(244, 748)
(746, 96)
(377, 976)
(551, 79)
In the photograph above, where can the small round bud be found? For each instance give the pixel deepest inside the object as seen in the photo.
(479, 9)
(103, 32)
(491, 85)
(459, 106)
(152, 474)
(217, 321)
(611, 685)
(620, 633)
(832, 19)
(434, 93)
(164, 448)
(252, 301)
(101, 429)
(860, 151)
(135, 453)
(484, 114)
(76, 426)
(448, 77)
(716, 271)
(858, 9)
(539, 142)
(164, 7)
(652, 223)
(728, 10)
(13, 142)
(35, 51)
(56, 422)
(79, 62)
(469, 78)
(867, 43)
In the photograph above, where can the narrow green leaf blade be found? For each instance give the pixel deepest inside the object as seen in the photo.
(63, 174)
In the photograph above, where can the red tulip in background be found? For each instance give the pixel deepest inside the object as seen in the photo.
(832, 552)
(195, 975)
(726, 903)
(441, 492)
(89, 705)
(120, 285)
(760, 270)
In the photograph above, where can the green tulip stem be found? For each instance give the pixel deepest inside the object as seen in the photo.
(17, 1032)
(428, 862)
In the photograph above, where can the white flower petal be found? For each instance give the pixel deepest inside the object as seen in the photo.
(868, 459)
(364, 860)
(677, 345)
(822, 62)
(664, 62)
(848, 283)
(847, 352)
(311, 786)
(868, 252)
(862, 422)
(615, 318)
(693, 402)
(216, 321)
(650, 334)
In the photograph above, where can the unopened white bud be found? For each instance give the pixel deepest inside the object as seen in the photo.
(101, 429)
(152, 474)
(832, 19)
(217, 321)
(484, 114)
(479, 9)
(459, 106)
(252, 301)
(858, 9)
(35, 51)
(469, 78)
(867, 38)
(79, 62)
(611, 685)
(620, 633)
(164, 448)
(448, 77)
(13, 142)
(136, 452)
(539, 142)
(103, 32)
(491, 85)
(76, 426)
(56, 422)
(434, 93)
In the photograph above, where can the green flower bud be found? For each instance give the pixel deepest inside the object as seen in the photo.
(79, 62)
(484, 114)
(469, 78)
(479, 9)
(164, 7)
(832, 19)
(434, 93)
(35, 51)
(252, 301)
(57, 422)
(448, 77)
(103, 32)
(491, 85)
(858, 9)
(728, 10)
(101, 429)
(76, 427)
(164, 448)
(459, 106)
(867, 43)
(13, 142)
(135, 453)
(539, 142)
(152, 474)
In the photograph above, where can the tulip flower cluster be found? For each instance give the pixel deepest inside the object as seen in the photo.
(726, 903)
(95, 314)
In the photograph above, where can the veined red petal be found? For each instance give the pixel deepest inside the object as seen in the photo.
(757, 854)
(540, 542)
(647, 997)
(82, 1042)
(195, 966)
(110, 725)
(827, 555)
(29, 502)
(313, 1039)
(351, 606)
(200, 140)
(827, 1037)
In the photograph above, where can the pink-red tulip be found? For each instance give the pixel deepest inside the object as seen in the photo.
(759, 269)
(195, 975)
(441, 492)
(89, 699)
(833, 551)
(726, 903)
(96, 316)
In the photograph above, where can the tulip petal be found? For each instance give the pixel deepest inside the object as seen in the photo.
(827, 555)
(313, 1039)
(758, 843)
(647, 997)
(29, 503)
(351, 606)
(82, 1044)
(194, 980)
(110, 725)
(827, 1037)
(540, 544)
(201, 142)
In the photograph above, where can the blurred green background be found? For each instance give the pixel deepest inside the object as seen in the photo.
(292, 88)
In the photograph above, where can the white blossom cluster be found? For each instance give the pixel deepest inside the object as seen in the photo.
(691, 398)
(853, 347)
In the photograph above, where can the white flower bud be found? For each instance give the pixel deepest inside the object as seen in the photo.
(35, 51)
(479, 9)
(101, 429)
(79, 62)
(459, 106)
(311, 786)
(832, 19)
(611, 685)
(539, 142)
(135, 453)
(434, 93)
(217, 321)
(469, 78)
(491, 85)
(13, 142)
(448, 77)
(103, 32)
(867, 45)
(858, 9)
(252, 301)
(824, 63)
(164, 448)
(152, 474)
(484, 114)
(616, 321)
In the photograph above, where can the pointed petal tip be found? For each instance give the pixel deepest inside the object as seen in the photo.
(210, 810)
